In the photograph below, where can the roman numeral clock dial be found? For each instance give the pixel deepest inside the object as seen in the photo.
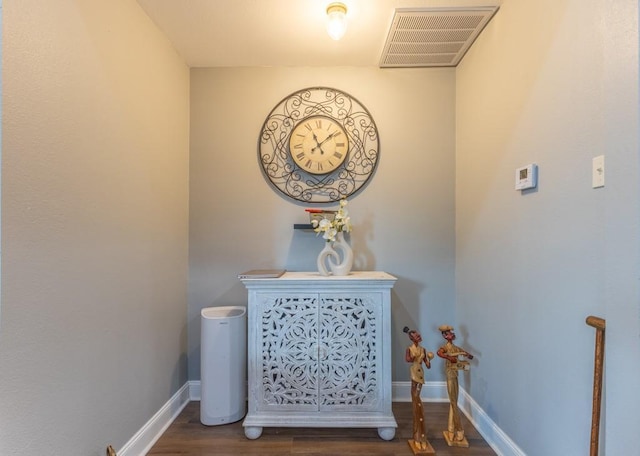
(318, 145)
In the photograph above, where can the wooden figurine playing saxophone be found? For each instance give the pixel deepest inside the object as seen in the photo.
(454, 435)
(417, 355)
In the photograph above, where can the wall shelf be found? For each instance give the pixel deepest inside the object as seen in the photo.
(302, 226)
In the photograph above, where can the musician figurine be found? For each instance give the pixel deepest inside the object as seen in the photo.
(417, 355)
(454, 435)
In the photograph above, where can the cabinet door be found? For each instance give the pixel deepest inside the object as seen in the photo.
(287, 351)
(350, 351)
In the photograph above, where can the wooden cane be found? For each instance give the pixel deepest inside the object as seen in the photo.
(599, 324)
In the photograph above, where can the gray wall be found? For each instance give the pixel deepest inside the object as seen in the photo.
(94, 225)
(403, 220)
(553, 83)
(93, 319)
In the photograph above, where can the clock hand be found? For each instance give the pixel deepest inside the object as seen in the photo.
(329, 137)
(325, 140)
(315, 138)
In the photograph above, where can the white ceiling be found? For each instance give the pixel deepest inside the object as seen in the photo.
(213, 33)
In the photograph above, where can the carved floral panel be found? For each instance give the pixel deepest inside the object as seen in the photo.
(320, 353)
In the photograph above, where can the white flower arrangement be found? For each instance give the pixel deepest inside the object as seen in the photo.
(340, 223)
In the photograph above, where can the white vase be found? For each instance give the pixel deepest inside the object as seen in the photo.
(343, 256)
(326, 253)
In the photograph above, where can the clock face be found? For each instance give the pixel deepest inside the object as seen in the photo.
(318, 145)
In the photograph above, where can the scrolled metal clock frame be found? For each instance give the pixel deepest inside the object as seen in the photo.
(293, 180)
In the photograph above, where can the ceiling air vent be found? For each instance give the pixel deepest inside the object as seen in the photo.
(433, 37)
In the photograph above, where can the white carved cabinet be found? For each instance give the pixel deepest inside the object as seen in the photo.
(319, 352)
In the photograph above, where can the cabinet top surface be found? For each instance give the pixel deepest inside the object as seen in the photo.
(316, 276)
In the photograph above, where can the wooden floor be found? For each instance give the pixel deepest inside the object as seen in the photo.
(188, 437)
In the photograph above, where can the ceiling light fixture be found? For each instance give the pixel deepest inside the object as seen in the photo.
(337, 20)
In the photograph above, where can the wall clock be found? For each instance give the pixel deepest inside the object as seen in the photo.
(318, 145)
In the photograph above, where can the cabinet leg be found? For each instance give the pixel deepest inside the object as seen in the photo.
(386, 433)
(253, 432)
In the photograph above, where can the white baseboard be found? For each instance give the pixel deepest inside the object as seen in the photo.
(493, 435)
(400, 391)
(194, 390)
(437, 392)
(431, 392)
(144, 439)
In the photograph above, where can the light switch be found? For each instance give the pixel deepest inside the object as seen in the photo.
(598, 171)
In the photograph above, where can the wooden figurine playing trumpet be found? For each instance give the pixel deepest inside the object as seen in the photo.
(454, 435)
(417, 355)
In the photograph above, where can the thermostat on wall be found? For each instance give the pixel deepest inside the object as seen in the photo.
(527, 177)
